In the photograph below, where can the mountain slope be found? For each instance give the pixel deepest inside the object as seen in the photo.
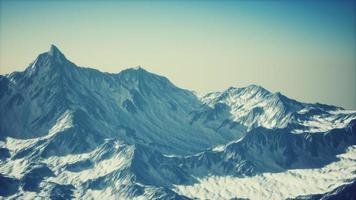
(134, 105)
(118, 170)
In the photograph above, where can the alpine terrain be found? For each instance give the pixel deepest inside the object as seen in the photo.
(69, 132)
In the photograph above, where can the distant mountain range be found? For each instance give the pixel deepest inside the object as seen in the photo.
(72, 132)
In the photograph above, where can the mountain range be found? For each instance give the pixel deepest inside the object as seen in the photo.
(70, 132)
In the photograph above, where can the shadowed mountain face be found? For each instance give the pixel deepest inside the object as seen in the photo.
(73, 132)
(133, 105)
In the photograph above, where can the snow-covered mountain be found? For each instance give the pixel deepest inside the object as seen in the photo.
(133, 105)
(73, 132)
(254, 106)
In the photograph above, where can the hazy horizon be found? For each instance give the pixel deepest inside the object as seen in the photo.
(305, 50)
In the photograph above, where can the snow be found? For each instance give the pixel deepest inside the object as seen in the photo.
(219, 148)
(282, 185)
(64, 122)
(99, 169)
(326, 123)
(34, 65)
(15, 168)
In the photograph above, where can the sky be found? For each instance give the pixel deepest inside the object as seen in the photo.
(304, 49)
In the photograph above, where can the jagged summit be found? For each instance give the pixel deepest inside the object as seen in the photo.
(135, 70)
(256, 88)
(251, 88)
(142, 75)
(56, 54)
(48, 62)
(52, 56)
(54, 50)
(138, 68)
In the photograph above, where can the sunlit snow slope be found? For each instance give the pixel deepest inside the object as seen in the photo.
(281, 185)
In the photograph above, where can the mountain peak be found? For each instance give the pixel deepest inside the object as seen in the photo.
(251, 87)
(55, 55)
(256, 87)
(138, 68)
(53, 59)
(135, 70)
(55, 52)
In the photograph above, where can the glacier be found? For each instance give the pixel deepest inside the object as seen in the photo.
(70, 132)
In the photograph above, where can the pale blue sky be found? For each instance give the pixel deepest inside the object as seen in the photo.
(305, 49)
